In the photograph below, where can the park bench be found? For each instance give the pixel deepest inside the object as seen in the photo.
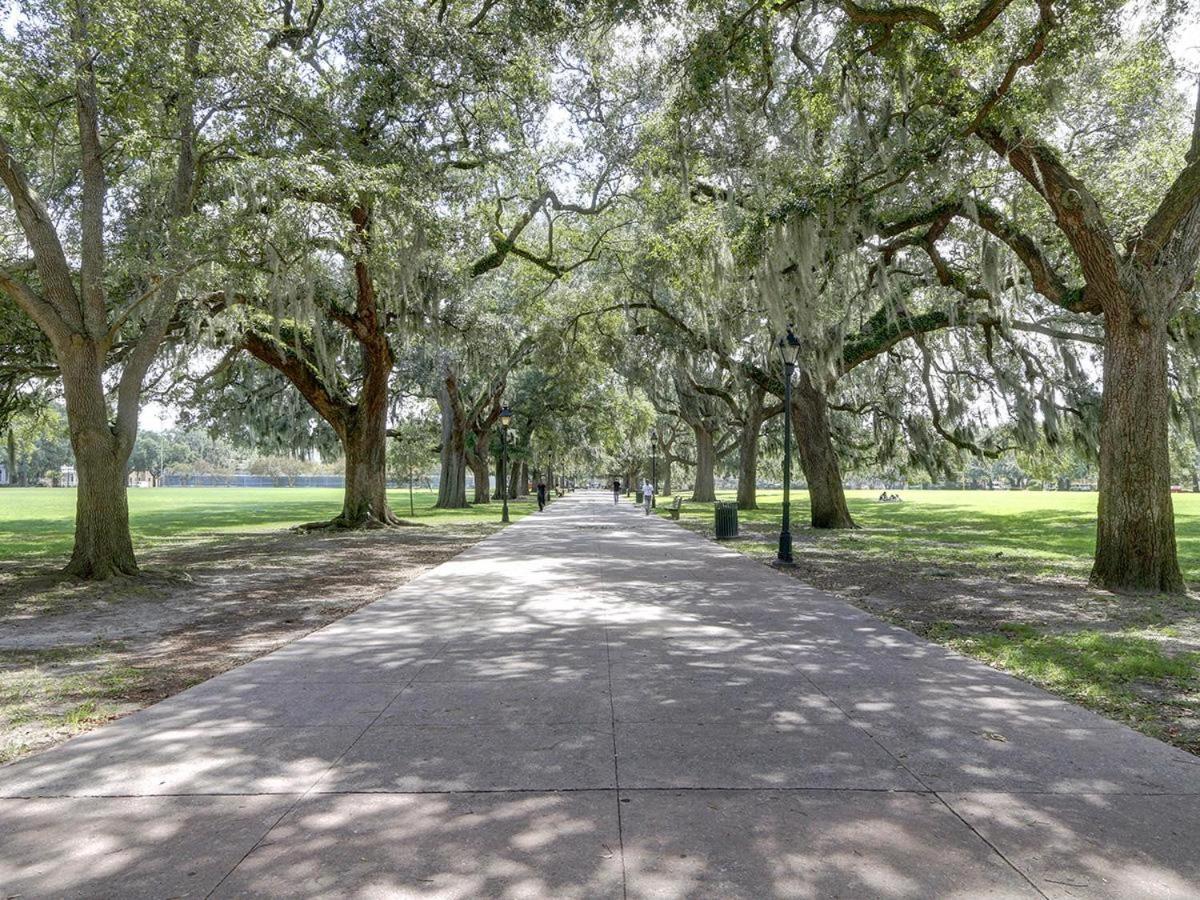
(673, 509)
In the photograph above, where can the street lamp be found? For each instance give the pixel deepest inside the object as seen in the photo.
(654, 468)
(505, 421)
(789, 349)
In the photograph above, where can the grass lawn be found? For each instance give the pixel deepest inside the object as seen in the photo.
(1038, 532)
(1001, 576)
(36, 523)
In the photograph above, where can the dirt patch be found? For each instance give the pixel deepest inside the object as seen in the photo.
(75, 654)
(924, 593)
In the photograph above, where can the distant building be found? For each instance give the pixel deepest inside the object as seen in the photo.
(67, 477)
(3, 473)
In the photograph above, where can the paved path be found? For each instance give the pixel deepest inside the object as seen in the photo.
(595, 704)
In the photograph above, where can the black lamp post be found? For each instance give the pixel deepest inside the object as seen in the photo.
(789, 349)
(654, 468)
(505, 421)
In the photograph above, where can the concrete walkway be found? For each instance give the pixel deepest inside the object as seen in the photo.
(594, 704)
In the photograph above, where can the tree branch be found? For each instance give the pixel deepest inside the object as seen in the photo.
(1177, 204)
(48, 255)
(93, 189)
(303, 376)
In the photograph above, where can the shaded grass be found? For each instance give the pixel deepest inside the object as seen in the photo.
(36, 523)
(1127, 676)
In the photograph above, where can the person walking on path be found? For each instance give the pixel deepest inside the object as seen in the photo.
(541, 491)
(616, 490)
(648, 496)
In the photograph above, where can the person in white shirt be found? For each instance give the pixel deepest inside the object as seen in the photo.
(648, 489)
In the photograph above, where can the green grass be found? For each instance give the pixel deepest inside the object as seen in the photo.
(64, 691)
(36, 523)
(1126, 675)
(1034, 532)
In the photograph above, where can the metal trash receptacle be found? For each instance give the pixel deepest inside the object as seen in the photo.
(726, 519)
(640, 496)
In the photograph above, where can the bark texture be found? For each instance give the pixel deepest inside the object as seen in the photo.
(704, 489)
(481, 470)
(818, 458)
(364, 501)
(514, 479)
(12, 457)
(452, 486)
(103, 546)
(748, 437)
(1135, 526)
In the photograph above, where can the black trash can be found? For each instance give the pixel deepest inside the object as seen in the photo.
(640, 496)
(726, 519)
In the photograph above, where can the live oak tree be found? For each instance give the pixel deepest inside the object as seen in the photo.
(995, 75)
(1134, 265)
(399, 155)
(361, 162)
(745, 159)
(102, 155)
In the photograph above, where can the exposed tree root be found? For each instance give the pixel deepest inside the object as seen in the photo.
(88, 570)
(368, 522)
(837, 525)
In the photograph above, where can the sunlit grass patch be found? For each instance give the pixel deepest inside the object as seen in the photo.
(62, 691)
(37, 524)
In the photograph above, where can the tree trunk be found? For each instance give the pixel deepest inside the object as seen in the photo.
(364, 440)
(103, 544)
(1135, 526)
(481, 468)
(452, 488)
(514, 479)
(704, 490)
(12, 457)
(522, 479)
(364, 501)
(818, 459)
(747, 492)
(666, 476)
(501, 477)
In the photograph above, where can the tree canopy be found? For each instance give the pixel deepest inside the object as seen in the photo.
(323, 227)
